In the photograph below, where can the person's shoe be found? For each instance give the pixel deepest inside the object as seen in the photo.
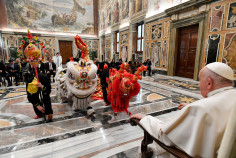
(38, 116)
(50, 116)
(107, 104)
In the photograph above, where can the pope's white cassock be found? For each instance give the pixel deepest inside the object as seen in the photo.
(199, 127)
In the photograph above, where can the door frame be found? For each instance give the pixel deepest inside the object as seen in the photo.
(201, 20)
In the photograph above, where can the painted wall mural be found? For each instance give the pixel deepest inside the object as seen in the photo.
(164, 53)
(213, 48)
(12, 42)
(53, 15)
(166, 29)
(231, 23)
(125, 9)
(116, 9)
(147, 53)
(216, 18)
(221, 35)
(155, 52)
(229, 56)
(156, 31)
(108, 48)
(124, 38)
(124, 53)
(109, 16)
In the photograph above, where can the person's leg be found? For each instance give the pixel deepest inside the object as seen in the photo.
(8, 79)
(16, 78)
(48, 106)
(37, 112)
(104, 91)
(0, 79)
(48, 75)
(27, 75)
(53, 73)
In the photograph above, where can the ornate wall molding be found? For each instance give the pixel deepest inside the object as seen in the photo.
(187, 6)
(172, 59)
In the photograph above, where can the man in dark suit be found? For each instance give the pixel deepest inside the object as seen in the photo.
(13, 70)
(41, 66)
(50, 68)
(2, 71)
(104, 76)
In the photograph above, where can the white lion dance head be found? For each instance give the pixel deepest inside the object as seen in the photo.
(81, 80)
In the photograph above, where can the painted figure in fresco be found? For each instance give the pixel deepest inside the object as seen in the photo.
(124, 53)
(79, 82)
(164, 54)
(156, 54)
(125, 8)
(116, 12)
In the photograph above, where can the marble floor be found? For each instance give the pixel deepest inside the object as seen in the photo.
(72, 134)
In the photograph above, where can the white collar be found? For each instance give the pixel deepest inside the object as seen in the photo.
(218, 91)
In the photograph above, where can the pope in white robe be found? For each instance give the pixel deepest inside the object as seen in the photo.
(199, 127)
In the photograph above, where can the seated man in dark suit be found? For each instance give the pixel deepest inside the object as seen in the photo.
(41, 66)
(12, 71)
(2, 71)
(50, 68)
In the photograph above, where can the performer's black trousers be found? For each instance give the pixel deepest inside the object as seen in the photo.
(51, 73)
(47, 106)
(104, 91)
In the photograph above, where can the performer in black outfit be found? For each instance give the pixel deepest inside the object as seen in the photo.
(44, 87)
(105, 74)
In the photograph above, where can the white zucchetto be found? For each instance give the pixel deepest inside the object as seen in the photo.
(221, 69)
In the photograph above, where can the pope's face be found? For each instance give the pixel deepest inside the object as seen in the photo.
(203, 82)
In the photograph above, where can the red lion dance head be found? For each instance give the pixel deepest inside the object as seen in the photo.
(122, 86)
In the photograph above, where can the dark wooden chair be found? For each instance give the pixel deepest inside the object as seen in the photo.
(148, 139)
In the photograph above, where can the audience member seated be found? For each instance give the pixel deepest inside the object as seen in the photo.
(12, 71)
(50, 68)
(2, 72)
(198, 128)
(26, 68)
(41, 66)
(20, 71)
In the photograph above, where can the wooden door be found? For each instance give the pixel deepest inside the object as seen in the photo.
(186, 51)
(65, 50)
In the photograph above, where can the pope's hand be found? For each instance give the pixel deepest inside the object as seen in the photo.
(138, 116)
(181, 105)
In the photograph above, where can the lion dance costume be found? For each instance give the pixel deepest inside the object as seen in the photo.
(122, 86)
(79, 81)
